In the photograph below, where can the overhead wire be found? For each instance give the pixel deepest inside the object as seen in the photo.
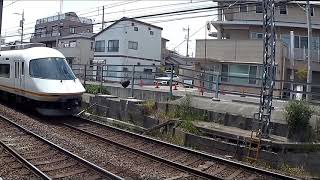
(160, 14)
(138, 17)
(114, 12)
(11, 3)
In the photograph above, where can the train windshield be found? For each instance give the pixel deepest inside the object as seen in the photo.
(51, 68)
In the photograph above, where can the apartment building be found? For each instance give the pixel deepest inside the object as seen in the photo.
(238, 49)
(128, 42)
(49, 30)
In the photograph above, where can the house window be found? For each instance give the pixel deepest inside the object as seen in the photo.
(296, 42)
(133, 45)
(304, 42)
(256, 35)
(243, 8)
(283, 9)
(135, 29)
(5, 70)
(43, 32)
(132, 24)
(151, 32)
(72, 43)
(147, 71)
(72, 30)
(312, 11)
(91, 46)
(224, 72)
(113, 45)
(239, 73)
(55, 30)
(100, 46)
(253, 74)
(259, 8)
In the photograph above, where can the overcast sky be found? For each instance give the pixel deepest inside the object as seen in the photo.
(172, 30)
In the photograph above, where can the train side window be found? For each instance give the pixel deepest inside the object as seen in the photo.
(22, 68)
(5, 70)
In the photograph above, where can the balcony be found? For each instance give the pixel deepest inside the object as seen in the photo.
(241, 51)
(302, 55)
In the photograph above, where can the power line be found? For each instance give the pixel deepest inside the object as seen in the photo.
(115, 12)
(162, 14)
(11, 3)
(146, 16)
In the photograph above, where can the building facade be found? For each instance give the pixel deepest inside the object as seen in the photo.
(77, 48)
(50, 29)
(128, 42)
(238, 49)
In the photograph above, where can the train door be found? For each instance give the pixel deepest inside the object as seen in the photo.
(19, 74)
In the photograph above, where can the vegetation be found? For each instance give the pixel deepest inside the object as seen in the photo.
(165, 137)
(95, 89)
(294, 171)
(187, 115)
(149, 107)
(302, 74)
(298, 114)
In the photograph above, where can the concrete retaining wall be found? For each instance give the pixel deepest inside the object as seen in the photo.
(226, 119)
(308, 161)
(123, 109)
(139, 94)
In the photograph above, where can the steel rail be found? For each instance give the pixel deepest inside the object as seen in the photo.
(195, 152)
(149, 155)
(85, 162)
(25, 162)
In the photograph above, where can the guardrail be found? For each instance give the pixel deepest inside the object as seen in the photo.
(205, 81)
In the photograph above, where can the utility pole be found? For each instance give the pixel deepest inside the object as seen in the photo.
(292, 62)
(188, 34)
(61, 6)
(269, 68)
(102, 24)
(1, 8)
(309, 75)
(21, 25)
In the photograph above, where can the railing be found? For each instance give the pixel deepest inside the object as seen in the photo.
(302, 54)
(204, 81)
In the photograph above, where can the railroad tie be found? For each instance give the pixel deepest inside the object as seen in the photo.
(234, 174)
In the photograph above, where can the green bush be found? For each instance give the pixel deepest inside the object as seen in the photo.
(95, 89)
(149, 106)
(298, 114)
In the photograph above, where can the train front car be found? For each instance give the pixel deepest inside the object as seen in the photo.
(56, 89)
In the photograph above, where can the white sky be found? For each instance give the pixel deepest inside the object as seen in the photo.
(172, 30)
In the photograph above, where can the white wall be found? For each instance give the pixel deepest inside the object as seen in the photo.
(149, 46)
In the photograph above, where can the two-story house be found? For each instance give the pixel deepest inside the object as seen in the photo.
(77, 48)
(128, 42)
(238, 49)
(49, 30)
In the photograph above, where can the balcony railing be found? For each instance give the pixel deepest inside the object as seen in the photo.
(302, 55)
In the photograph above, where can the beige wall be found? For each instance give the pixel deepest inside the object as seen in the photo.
(82, 52)
(242, 51)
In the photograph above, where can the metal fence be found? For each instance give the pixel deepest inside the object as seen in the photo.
(204, 81)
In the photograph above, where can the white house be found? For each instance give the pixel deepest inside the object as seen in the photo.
(128, 42)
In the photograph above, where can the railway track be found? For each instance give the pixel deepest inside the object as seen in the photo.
(42, 159)
(12, 168)
(194, 162)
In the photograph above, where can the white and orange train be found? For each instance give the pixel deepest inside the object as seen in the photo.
(39, 77)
